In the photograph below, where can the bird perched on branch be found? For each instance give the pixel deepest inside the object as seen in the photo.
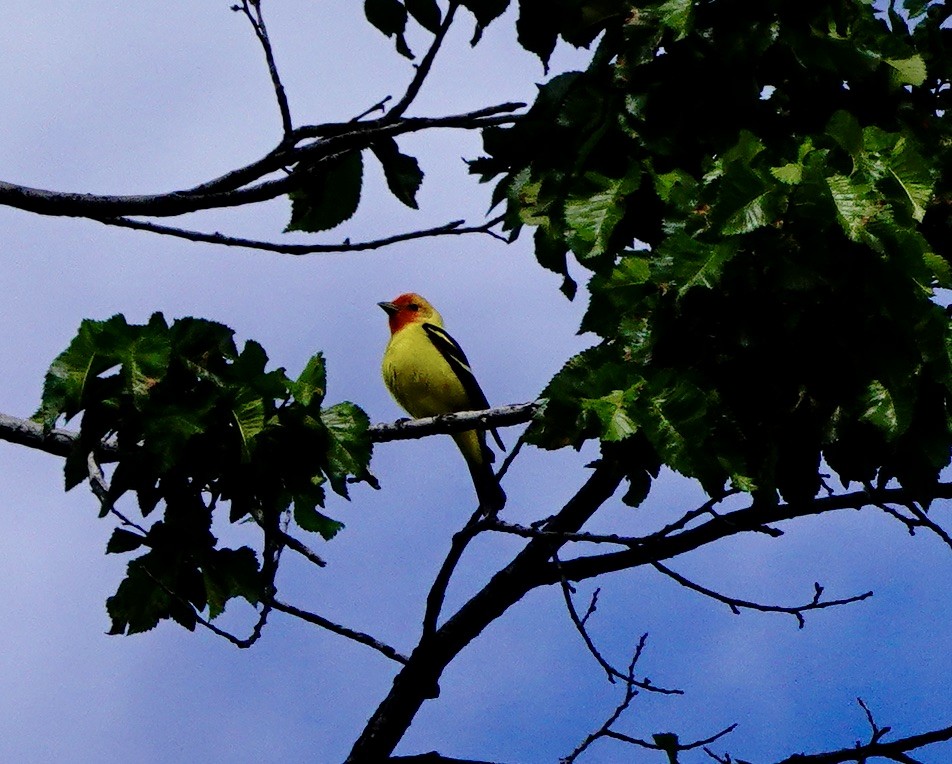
(428, 374)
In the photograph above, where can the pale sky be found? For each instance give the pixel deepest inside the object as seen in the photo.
(117, 97)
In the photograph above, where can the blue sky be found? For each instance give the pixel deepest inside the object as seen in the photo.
(117, 97)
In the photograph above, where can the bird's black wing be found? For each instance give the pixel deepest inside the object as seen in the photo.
(459, 363)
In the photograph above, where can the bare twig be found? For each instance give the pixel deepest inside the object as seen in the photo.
(252, 10)
(302, 549)
(630, 693)
(736, 604)
(897, 750)
(453, 228)
(668, 742)
(437, 593)
(356, 636)
(610, 671)
(426, 63)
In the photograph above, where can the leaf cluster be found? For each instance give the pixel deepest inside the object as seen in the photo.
(760, 193)
(196, 423)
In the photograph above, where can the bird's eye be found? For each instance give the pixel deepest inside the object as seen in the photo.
(413, 306)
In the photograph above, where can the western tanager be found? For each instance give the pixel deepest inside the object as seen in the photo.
(428, 374)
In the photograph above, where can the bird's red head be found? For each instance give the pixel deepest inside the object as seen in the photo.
(410, 308)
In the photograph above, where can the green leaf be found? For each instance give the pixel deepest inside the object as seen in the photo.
(846, 131)
(611, 412)
(328, 195)
(485, 12)
(402, 172)
(349, 448)
(309, 388)
(92, 352)
(745, 202)
(249, 415)
(592, 214)
(884, 411)
(124, 541)
(940, 269)
(676, 15)
(230, 573)
(140, 602)
(685, 262)
(856, 204)
(790, 174)
(309, 519)
(426, 12)
(390, 17)
(908, 71)
(914, 176)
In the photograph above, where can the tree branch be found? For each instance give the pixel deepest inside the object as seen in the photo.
(252, 10)
(418, 680)
(611, 672)
(453, 228)
(894, 751)
(753, 518)
(59, 442)
(423, 68)
(234, 189)
(356, 636)
(736, 604)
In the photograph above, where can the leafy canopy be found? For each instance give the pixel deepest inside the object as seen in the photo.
(194, 423)
(760, 191)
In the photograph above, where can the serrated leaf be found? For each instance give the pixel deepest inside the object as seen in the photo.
(856, 204)
(676, 15)
(846, 131)
(914, 176)
(591, 218)
(611, 412)
(940, 269)
(908, 71)
(686, 263)
(249, 416)
(881, 410)
(402, 172)
(485, 12)
(139, 603)
(124, 541)
(790, 174)
(310, 386)
(349, 447)
(328, 195)
(390, 17)
(309, 519)
(745, 202)
(230, 573)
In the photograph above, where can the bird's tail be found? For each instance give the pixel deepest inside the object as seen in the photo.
(490, 494)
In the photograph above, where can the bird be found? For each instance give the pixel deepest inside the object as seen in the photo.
(427, 373)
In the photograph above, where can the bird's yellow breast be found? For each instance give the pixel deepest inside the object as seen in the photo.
(419, 377)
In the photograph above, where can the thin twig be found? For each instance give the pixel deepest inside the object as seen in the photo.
(252, 9)
(736, 604)
(630, 693)
(356, 636)
(423, 69)
(670, 741)
(611, 672)
(437, 593)
(453, 228)
(302, 549)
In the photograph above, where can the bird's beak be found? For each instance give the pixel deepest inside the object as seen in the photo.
(389, 308)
